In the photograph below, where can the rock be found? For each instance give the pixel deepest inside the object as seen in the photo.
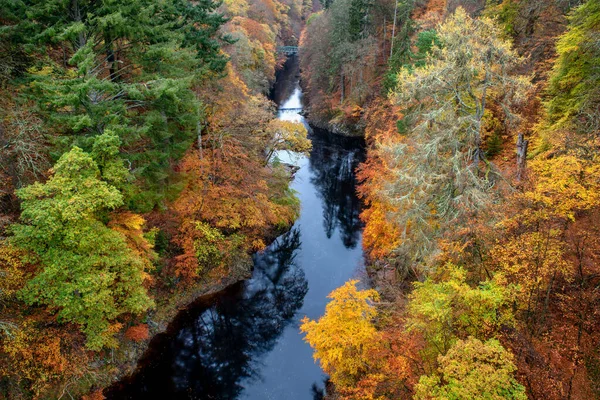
(291, 169)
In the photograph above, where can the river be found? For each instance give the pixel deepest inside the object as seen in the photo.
(245, 343)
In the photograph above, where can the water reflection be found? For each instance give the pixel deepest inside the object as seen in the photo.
(214, 349)
(333, 161)
(287, 78)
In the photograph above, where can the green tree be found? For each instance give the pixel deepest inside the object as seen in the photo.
(326, 3)
(405, 57)
(86, 270)
(128, 66)
(574, 94)
(359, 18)
(445, 311)
(473, 369)
(202, 24)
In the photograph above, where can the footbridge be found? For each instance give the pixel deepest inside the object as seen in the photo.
(289, 110)
(288, 50)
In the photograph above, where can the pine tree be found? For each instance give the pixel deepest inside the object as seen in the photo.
(359, 19)
(128, 66)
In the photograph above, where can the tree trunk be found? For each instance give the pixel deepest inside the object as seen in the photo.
(199, 134)
(522, 146)
(342, 87)
(111, 58)
(394, 30)
(76, 15)
(547, 299)
(479, 156)
(384, 37)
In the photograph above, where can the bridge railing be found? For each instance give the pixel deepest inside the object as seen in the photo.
(288, 50)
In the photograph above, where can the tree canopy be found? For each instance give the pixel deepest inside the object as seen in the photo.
(87, 271)
(344, 337)
(473, 370)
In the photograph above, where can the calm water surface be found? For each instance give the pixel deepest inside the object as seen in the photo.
(244, 343)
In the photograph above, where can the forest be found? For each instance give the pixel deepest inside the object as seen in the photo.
(482, 196)
(139, 171)
(135, 173)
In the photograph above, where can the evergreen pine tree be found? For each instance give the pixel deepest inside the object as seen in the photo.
(128, 66)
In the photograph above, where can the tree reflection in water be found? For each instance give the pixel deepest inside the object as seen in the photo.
(333, 161)
(213, 349)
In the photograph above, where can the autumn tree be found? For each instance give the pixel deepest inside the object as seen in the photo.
(25, 156)
(86, 270)
(13, 274)
(473, 369)
(37, 356)
(533, 251)
(339, 56)
(450, 309)
(254, 52)
(345, 336)
(573, 93)
(439, 173)
(286, 136)
(232, 193)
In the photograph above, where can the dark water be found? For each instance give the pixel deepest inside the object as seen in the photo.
(245, 343)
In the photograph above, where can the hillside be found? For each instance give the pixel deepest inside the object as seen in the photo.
(481, 192)
(134, 174)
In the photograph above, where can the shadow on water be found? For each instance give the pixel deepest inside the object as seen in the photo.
(245, 342)
(286, 80)
(333, 161)
(215, 344)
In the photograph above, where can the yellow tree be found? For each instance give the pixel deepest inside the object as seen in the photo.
(473, 369)
(345, 336)
(533, 250)
(286, 136)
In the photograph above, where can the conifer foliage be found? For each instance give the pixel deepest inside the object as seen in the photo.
(128, 67)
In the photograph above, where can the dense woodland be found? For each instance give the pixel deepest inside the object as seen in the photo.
(136, 169)
(482, 191)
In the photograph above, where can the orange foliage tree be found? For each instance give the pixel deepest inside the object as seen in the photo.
(232, 195)
(532, 251)
(38, 355)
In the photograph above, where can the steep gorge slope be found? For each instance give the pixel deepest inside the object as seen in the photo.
(495, 228)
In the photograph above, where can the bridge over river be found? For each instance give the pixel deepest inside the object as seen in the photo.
(288, 50)
(290, 110)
